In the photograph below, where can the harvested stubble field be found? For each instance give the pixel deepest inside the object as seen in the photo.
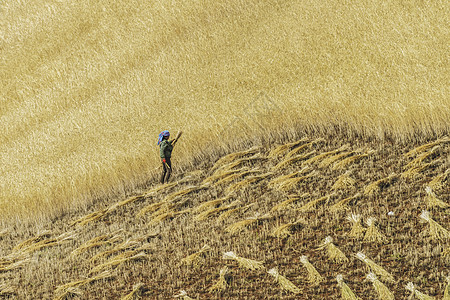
(179, 236)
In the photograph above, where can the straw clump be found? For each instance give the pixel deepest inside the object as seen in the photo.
(136, 293)
(286, 203)
(284, 230)
(313, 203)
(447, 289)
(374, 268)
(419, 295)
(195, 258)
(383, 292)
(343, 204)
(372, 232)
(239, 226)
(244, 262)
(314, 278)
(183, 295)
(334, 253)
(346, 161)
(286, 147)
(64, 291)
(357, 230)
(221, 284)
(375, 187)
(291, 160)
(284, 283)
(432, 201)
(439, 181)
(427, 146)
(233, 156)
(436, 231)
(346, 292)
(344, 182)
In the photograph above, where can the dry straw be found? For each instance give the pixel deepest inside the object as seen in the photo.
(432, 201)
(334, 158)
(96, 242)
(64, 291)
(373, 267)
(247, 181)
(344, 182)
(211, 203)
(313, 277)
(195, 258)
(292, 160)
(150, 208)
(40, 236)
(426, 147)
(284, 230)
(292, 183)
(313, 203)
(239, 226)
(7, 290)
(279, 150)
(438, 181)
(421, 157)
(176, 195)
(183, 295)
(324, 155)
(225, 215)
(136, 293)
(414, 292)
(437, 232)
(277, 180)
(347, 161)
(334, 253)
(343, 204)
(375, 187)
(299, 150)
(346, 292)
(233, 156)
(221, 284)
(357, 230)
(372, 232)
(447, 289)
(284, 283)
(244, 262)
(286, 203)
(414, 171)
(118, 260)
(238, 162)
(383, 292)
(168, 215)
(3, 232)
(207, 213)
(236, 176)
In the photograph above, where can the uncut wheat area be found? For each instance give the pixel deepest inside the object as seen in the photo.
(314, 161)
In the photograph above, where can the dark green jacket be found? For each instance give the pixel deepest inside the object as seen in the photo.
(165, 149)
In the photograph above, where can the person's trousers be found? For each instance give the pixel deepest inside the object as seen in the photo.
(167, 170)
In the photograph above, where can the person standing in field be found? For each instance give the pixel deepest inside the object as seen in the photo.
(165, 152)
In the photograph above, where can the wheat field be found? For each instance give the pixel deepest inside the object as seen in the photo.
(86, 86)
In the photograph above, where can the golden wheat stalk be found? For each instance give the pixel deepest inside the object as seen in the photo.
(3, 232)
(150, 208)
(247, 181)
(239, 226)
(232, 156)
(286, 203)
(344, 182)
(126, 245)
(221, 284)
(447, 289)
(284, 283)
(324, 155)
(96, 242)
(178, 194)
(343, 204)
(282, 178)
(346, 292)
(446, 253)
(383, 292)
(438, 181)
(292, 160)
(313, 203)
(314, 277)
(7, 290)
(211, 203)
(425, 147)
(117, 260)
(244, 262)
(65, 290)
(437, 232)
(168, 215)
(421, 157)
(183, 295)
(194, 259)
(373, 267)
(286, 147)
(89, 218)
(346, 161)
(334, 158)
(40, 236)
(236, 176)
(136, 293)
(412, 172)
(284, 230)
(293, 182)
(299, 150)
(414, 292)
(375, 187)
(231, 209)
(238, 162)
(357, 230)
(372, 232)
(69, 293)
(334, 253)
(432, 201)
(221, 175)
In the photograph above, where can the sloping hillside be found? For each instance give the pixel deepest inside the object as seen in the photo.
(273, 204)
